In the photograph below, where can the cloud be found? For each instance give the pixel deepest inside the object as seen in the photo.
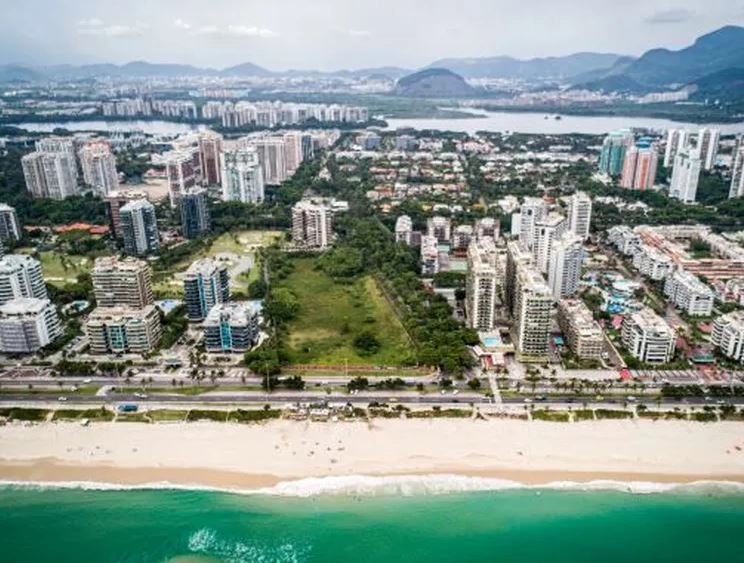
(234, 31)
(246, 31)
(358, 32)
(675, 15)
(180, 24)
(95, 26)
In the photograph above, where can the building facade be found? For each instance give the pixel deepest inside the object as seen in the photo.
(728, 335)
(579, 217)
(564, 272)
(195, 218)
(27, 325)
(21, 276)
(242, 176)
(206, 284)
(123, 282)
(439, 228)
(231, 327)
(583, 334)
(99, 167)
(312, 224)
(114, 202)
(707, 146)
(403, 229)
(184, 172)
(482, 290)
(689, 294)
(639, 166)
(10, 227)
(647, 337)
(685, 176)
(139, 228)
(120, 330)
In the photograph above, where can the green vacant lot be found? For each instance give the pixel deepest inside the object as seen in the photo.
(332, 314)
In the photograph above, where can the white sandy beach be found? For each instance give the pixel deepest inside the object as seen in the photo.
(236, 456)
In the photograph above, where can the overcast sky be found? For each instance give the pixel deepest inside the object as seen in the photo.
(334, 34)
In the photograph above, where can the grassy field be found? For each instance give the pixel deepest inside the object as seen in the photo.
(61, 269)
(241, 244)
(332, 315)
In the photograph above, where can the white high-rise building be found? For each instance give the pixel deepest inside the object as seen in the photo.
(272, 154)
(21, 276)
(139, 226)
(28, 325)
(580, 214)
(293, 150)
(564, 272)
(63, 146)
(689, 293)
(482, 284)
(685, 176)
(583, 334)
(728, 335)
(429, 255)
(210, 148)
(707, 146)
(737, 174)
(312, 224)
(648, 337)
(547, 231)
(678, 140)
(439, 228)
(123, 282)
(533, 210)
(10, 228)
(99, 167)
(242, 176)
(184, 172)
(50, 175)
(403, 229)
(487, 227)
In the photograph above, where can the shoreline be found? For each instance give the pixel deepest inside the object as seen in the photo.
(53, 474)
(294, 456)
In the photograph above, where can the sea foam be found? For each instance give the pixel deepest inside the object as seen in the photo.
(403, 485)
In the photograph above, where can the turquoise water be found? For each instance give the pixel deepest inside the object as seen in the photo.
(489, 527)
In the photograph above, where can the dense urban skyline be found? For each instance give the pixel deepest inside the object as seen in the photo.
(292, 34)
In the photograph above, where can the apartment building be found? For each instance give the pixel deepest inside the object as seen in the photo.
(139, 228)
(21, 276)
(114, 202)
(482, 287)
(119, 330)
(123, 282)
(652, 263)
(184, 172)
(583, 334)
(10, 227)
(439, 228)
(678, 140)
(99, 167)
(624, 239)
(564, 271)
(707, 146)
(728, 335)
(403, 229)
(312, 224)
(647, 337)
(487, 227)
(689, 294)
(195, 218)
(242, 175)
(685, 176)
(429, 255)
(206, 284)
(548, 231)
(639, 166)
(27, 325)
(532, 211)
(579, 217)
(231, 327)
(462, 236)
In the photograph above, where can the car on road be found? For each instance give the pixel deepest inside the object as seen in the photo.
(61, 398)
(140, 395)
(528, 400)
(88, 380)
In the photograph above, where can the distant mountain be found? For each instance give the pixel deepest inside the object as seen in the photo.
(725, 84)
(246, 69)
(531, 69)
(16, 73)
(433, 83)
(659, 69)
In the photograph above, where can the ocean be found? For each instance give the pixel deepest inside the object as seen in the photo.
(374, 522)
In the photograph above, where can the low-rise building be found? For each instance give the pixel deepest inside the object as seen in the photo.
(652, 263)
(231, 327)
(624, 239)
(582, 332)
(728, 335)
(124, 330)
(689, 294)
(462, 236)
(647, 337)
(27, 325)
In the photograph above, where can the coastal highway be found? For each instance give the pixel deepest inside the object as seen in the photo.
(358, 399)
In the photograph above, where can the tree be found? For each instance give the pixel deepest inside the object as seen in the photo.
(366, 343)
(342, 262)
(281, 305)
(257, 289)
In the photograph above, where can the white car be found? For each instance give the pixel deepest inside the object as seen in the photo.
(86, 381)
(61, 398)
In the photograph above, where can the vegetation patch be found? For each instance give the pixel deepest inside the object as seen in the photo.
(30, 415)
(102, 414)
(613, 414)
(165, 415)
(241, 415)
(341, 323)
(215, 416)
(550, 416)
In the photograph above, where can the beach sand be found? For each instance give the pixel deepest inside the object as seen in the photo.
(241, 457)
